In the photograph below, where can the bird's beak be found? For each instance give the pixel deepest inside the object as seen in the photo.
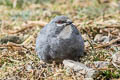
(69, 22)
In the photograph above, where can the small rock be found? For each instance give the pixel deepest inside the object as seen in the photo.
(116, 59)
(101, 38)
(105, 39)
(80, 68)
(76, 66)
(101, 64)
(91, 73)
(29, 67)
(98, 37)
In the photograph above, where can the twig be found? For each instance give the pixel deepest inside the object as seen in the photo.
(41, 23)
(108, 44)
(22, 29)
(112, 26)
(30, 38)
(29, 24)
(105, 69)
(13, 45)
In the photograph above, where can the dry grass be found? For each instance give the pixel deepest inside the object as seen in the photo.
(19, 61)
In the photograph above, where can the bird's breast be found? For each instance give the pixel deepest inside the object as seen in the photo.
(65, 33)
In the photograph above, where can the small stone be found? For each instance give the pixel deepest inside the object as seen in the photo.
(29, 67)
(105, 39)
(116, 59)
(97, 37)
(101, 38)
(91, 73)
(80, 68)
(76, 66)
(101, 64)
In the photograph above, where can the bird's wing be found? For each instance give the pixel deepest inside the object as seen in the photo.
(42, 47)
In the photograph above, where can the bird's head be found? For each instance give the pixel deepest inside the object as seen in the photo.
(61, 21)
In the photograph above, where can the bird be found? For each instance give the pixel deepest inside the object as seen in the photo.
(59, 40)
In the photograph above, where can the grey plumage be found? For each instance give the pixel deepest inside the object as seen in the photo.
(59, 40)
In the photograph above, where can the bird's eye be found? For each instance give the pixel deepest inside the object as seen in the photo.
(61, 22)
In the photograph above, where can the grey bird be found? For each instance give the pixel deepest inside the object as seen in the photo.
(59, 40)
